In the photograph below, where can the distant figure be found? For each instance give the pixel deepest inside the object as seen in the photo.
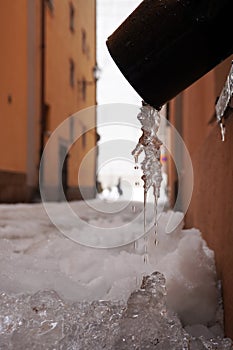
(119, 187)
(99, 187)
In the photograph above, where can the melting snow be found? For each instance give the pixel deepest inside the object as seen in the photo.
(35, 257)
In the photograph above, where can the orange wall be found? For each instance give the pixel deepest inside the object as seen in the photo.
(13, 73)
(211, 207)
(62, 45)
(198, 108)
(20, 79)
(34, 90)
(20, 71)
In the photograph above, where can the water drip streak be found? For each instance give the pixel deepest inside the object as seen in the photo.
(155, 215)
(151, 166)
(145, 258)
(144, 210)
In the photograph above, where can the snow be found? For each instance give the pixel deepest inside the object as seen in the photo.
(35, 256)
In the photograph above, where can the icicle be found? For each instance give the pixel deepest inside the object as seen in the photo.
(151, 166)
(223, 130)
(223, 102)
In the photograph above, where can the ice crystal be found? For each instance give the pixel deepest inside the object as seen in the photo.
(150, 144)
(223, 102)
(225, 96)
(45, 321)
(151, 165)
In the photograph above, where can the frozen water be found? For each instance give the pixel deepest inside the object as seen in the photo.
(150, 144)
(51, 286)
(225, 96)
(35, 256)
(151, 165)
(223, 102)
(45, 321)
(146, 322)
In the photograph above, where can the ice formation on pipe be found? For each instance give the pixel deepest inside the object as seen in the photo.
(150, 144)
(151, 165)
(223, 101)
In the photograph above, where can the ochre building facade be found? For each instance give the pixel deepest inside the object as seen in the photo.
(211, 207)
(47, 67)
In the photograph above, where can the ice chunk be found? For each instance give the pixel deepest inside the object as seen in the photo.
(43, 259)
(146, 322)
(45, 321)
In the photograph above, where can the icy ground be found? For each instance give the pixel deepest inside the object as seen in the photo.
(51, 287)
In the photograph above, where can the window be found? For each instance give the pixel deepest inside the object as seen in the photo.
(85, 46)
(9, 99)
(50, 4)
(84, 137)
(84, 41)
(47, 117)
(84, 89)
(72, 13)
(72, 71)
(71, 120)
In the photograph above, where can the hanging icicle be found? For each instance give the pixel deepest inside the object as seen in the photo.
(223, 102)
(151, 165)
(150, 144)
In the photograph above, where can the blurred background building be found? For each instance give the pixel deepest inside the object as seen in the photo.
(48, 72)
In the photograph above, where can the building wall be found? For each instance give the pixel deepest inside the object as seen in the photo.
(33, 93)
(18, 98)
(70, 40)
(22, 134)
(13, 87)
(211, 208)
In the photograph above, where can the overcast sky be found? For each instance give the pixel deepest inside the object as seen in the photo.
(112, 86)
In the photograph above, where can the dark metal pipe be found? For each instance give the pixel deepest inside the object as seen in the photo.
(166, 45)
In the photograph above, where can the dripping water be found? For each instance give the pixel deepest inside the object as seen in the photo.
(133, 208)
(150, 144)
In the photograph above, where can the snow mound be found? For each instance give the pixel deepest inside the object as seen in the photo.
(35, 256)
